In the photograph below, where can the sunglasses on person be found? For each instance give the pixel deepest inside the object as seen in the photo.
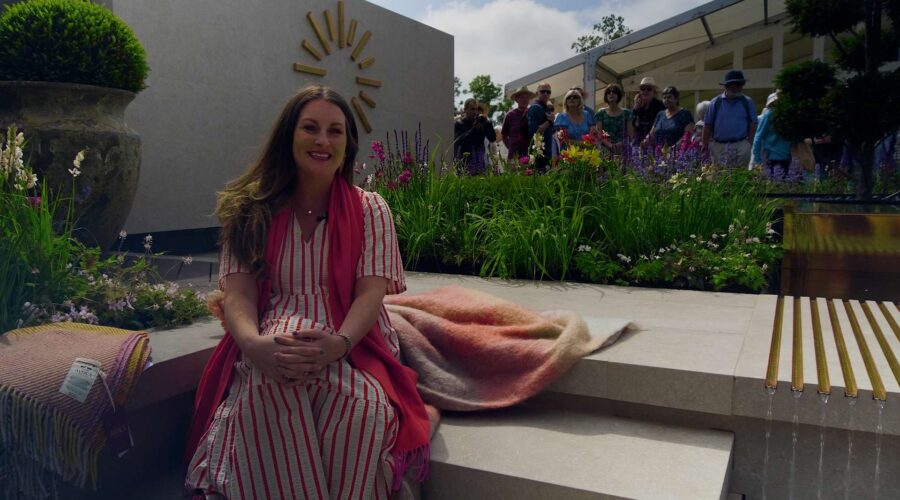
(646, 88)
(543, 91)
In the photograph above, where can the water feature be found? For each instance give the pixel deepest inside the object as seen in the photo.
(765, 470)
(852, 420)
(819, 475)
(879, 428)
(795, 431)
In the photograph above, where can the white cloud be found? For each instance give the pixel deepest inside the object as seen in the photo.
(508, 39)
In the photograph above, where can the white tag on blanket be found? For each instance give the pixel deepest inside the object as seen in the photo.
(81, 377)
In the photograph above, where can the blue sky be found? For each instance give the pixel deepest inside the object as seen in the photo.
(508, 39)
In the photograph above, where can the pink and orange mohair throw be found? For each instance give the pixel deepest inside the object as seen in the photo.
(476, 351)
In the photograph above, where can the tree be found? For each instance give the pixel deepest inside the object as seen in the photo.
(609, 28)
(857, 105)
(484, 90)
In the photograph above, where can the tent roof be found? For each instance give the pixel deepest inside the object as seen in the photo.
(696, 27)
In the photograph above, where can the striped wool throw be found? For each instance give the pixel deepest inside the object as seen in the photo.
(45, 435)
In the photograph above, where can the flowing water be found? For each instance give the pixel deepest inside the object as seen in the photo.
(795, 431)
(878, 432)
(765, 471)
(852, 402)
(820, 478)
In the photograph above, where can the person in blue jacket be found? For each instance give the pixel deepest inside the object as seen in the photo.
(769, 148)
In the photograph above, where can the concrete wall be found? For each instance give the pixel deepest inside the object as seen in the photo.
(220, 71)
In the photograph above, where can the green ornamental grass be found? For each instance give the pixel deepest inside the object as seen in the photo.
(706, 231)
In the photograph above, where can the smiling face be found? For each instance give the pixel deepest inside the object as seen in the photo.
(320, 140)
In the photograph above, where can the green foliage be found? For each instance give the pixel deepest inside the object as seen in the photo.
(798, 111)
(484, 90)
(36, 255)
(73, 41)
(47, 275)
(609, 28)
(824, 17)
(860, 106)
(875, 101)
(568, 225)
(596, 265)
(850, 53)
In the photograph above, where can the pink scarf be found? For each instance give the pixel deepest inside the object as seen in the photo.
(371, 354)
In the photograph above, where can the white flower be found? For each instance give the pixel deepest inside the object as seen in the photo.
(731, 228)
(75, 172)
(584, 248)
(123, 234)
(188, 260)
(662, 250)
(148, 242)
(765, 267)
(624, 258)
(693, 236)
(20, 139)
(78, 159)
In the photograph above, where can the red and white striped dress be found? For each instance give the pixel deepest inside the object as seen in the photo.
(331, 438)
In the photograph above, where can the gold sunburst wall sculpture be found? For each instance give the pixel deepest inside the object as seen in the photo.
(333, 29)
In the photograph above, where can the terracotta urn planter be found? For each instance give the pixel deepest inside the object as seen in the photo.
(61, 119)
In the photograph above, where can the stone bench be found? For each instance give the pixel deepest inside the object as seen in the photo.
(695, 371)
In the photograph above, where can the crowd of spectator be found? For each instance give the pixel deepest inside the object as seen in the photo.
(726, 128)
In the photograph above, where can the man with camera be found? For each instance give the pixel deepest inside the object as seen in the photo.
(470, 131)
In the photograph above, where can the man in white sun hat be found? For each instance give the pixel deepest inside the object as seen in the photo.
(647, 106)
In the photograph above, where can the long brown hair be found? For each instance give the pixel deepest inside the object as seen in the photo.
(246, 205)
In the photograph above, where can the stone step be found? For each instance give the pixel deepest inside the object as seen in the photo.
(526, 453)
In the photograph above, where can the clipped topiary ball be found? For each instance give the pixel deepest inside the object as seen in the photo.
(72, 41)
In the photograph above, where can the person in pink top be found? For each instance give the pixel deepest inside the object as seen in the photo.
(515, 126)
(305, 396)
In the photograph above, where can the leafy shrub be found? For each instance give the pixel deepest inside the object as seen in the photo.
(73, 41)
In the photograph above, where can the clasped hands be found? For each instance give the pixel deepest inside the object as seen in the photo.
(295, 359)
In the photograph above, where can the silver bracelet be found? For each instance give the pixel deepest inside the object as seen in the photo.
(347, 344)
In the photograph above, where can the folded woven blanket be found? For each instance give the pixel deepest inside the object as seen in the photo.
(46, 435)
(475, 351)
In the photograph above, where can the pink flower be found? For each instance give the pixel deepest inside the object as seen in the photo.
(378, 150)
(528, 172)
(524, 160)
(407, 158)
(34, 201)
(405, 176)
